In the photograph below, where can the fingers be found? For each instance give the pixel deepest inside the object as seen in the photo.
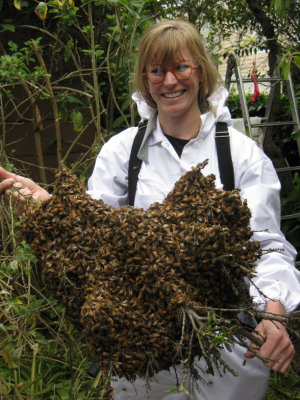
(6, 184)
(6, 175)
(260, 335)
(255, 348)
(26, 189)
(278, 347)
(249, 354)
(9, 177)
(16, 198)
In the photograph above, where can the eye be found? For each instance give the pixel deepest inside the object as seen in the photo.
(181, 67)
(155, 70)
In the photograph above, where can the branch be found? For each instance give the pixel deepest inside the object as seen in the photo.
(267, 29)
(78, 137)
(96, 86)
(53, 101)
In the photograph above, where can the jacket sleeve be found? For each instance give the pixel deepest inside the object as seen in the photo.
(109, 180)
(277, 278)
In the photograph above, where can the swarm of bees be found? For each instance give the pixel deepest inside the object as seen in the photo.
(127, 274)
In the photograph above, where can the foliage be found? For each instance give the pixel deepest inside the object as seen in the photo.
(284, 136)
(67, 54)
(291, 205)
(284, 67)
(283, 387)
(256, 109)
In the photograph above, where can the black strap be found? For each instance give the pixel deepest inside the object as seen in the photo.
(135, 163)
(224, 156)
(223, 151)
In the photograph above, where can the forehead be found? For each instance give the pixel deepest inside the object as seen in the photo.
(171, 59)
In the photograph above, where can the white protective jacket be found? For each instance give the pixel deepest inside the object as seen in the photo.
(254, 174)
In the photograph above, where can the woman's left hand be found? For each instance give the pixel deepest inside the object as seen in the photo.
(277, 347)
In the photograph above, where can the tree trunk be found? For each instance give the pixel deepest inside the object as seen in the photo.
(271, 150)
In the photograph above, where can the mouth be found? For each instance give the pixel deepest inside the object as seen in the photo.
(173, 95)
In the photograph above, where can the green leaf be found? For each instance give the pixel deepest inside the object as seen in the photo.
(63, 113)
(125, 104)
(8, 27)
(184, 389)
(277, 6)
(63, 393)
(17, 4)
(37, 335)
(297, 61)
(286, 70)
(12, 354)
(67, 53)
(172, 390)
(77, 119)
(68, 49)
(36, 304)
(119, 120)
(82, 179)
(136, 4)
(30, 384)
(296, 135)
(41, 10)
(31, 320)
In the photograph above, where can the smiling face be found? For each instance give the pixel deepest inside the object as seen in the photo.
(173, 97)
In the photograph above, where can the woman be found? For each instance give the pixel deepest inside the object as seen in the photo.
(181, 94)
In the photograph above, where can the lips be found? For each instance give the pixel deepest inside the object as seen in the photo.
(173, 95)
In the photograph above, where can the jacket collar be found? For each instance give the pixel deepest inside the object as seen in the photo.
(143, 151)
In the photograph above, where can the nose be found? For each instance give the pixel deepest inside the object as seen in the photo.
(170, 78)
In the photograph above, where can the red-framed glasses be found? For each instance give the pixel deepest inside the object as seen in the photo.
(181, 71)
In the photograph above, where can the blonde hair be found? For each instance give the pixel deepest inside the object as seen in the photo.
(162, 42)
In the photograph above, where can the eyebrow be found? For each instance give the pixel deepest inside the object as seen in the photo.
(154, 63)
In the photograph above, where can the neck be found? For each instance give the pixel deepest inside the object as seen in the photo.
(180, 127)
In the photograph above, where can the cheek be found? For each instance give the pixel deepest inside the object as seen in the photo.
(152, 89)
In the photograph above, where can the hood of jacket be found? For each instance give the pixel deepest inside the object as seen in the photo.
(217, 102)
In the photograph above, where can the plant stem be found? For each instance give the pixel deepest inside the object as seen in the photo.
(53, 101)
(95, 383)
(96, 86)
(37, 128)
(72, 56)
(33, 374)
(54, 49)
(78, 137)
(3, 153)
(37, 120)
(111, 84)
(131, 84)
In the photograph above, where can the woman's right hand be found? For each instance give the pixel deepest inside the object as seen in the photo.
(26, 187)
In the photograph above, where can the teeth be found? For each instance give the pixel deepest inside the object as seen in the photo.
(172, 95)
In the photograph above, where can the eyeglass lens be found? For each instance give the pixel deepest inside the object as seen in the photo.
(181, 71)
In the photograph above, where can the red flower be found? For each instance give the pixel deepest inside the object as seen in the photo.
(256, 93)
